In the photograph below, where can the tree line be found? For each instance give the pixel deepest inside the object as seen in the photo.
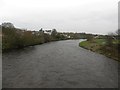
(13, 37)
(17, 38)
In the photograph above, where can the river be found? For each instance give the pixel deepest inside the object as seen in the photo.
(60, 64)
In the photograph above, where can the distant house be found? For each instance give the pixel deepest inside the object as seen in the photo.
(33, 32)
(96, 36)
(36, 33)
(48, 32)
(67, 36)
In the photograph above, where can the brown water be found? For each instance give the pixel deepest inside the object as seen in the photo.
(61, 64)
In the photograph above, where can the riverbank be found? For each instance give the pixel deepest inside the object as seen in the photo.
(15, 38)
(99, 46)
(18, 48)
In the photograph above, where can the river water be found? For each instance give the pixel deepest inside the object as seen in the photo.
(60, 64)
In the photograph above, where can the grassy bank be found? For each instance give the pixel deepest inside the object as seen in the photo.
(100, 46)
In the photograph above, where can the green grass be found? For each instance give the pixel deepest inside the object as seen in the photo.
(116, 41)
(84, 43)
(103, 41)
(100, 41)
(100, 46)
(93, 46)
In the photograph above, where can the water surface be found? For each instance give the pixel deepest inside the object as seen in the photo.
(60, 64)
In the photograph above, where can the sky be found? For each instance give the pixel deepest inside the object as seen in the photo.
(90, 16)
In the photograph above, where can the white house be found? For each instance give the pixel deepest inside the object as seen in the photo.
(48, 32)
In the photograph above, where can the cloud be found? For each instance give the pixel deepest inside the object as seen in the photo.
(95, 16)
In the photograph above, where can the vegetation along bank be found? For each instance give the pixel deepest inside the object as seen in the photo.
(108, 45)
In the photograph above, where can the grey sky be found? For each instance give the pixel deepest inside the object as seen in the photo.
(92, 16)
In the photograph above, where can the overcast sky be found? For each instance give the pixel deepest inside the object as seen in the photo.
(91, 16)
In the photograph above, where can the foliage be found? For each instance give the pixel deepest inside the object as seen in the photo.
(102, 46)
(90, 38)
(17, 38)
(7, 24)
